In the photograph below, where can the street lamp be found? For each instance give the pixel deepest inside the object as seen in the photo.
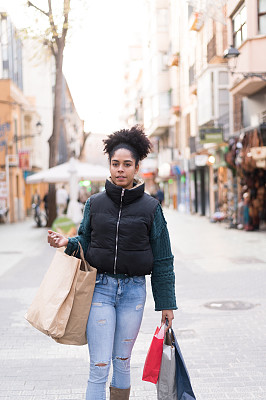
(232, 54)
(38, 132)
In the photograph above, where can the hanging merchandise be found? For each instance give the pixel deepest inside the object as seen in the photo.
(253, 195)
(246, 158)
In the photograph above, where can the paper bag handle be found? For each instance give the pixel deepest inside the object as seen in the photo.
(82, 256)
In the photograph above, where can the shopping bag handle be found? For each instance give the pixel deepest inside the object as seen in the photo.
(170, 331)
(82, 256)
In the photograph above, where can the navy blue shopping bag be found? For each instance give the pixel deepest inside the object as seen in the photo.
(184, 388)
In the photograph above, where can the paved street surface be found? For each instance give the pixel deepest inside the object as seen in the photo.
(224, 347)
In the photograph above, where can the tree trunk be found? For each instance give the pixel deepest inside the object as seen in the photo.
(82, 147)
(54, 139)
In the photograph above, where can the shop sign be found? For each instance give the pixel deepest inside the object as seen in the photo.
(3, 190)
(211, 135)
(201, 160)
(24, 159)
(164, 170)
(197, 22)
(4, 128)
(176, 170)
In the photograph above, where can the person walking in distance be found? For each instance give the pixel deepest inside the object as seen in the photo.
(61, 200)
(124, 235)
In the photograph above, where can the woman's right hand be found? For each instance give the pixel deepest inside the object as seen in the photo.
(55, 239)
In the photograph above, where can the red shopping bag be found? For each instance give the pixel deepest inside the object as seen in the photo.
(153, 360)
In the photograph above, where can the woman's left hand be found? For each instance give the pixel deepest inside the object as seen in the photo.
(169, 314)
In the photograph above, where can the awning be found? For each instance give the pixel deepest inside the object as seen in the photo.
(62, 173)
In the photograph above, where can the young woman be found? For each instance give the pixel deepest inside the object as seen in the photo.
(124, 235)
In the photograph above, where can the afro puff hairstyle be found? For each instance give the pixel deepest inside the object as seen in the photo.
(133, 139)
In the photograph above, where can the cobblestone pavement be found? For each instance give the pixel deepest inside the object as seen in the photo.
(225, 349)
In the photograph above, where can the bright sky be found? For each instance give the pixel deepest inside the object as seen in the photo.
(95, 54)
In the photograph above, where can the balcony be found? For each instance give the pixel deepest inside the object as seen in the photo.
(160, 124)
(212, 52)
(250, 60)
(211, 49)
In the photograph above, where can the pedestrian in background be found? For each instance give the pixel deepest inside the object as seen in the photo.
(46, 203)
(35, 203)
(160, 195)
(61, 200)
(83, 195)
(124, 235)
(36, 198)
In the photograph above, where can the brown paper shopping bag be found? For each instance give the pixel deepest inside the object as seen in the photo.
(61, 306)
(50, 309)
(75, 332)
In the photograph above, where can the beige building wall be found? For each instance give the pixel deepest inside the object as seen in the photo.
(73, 125)
(247, 91)
(133, 89)
(38, 80)
(156, 77)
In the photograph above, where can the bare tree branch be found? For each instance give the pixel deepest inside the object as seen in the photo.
(66, 13)
(51, 19)
(30, 4)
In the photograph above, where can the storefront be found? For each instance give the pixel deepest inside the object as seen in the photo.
(167, 182)
(200, 182)
(223, 186)
(247, 157)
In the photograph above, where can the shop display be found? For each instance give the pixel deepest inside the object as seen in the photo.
(246, 157)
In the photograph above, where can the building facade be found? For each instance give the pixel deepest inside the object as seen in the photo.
(204, 105)
(247, 146)
(157, 91)
(71, 129)
(19, 123)
(27, 81)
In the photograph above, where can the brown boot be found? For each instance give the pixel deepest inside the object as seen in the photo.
(119, 394)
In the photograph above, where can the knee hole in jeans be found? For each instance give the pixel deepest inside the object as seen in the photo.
(97, 304)
(101, 322)
(122, 359)
(101, 365)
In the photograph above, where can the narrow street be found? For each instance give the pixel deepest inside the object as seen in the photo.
(220, 324)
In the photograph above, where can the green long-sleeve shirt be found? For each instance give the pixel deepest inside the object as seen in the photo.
(162, 277)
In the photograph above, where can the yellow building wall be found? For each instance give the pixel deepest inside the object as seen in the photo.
(11, 113)
(42, 189)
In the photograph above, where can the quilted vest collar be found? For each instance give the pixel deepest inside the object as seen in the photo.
(130, 195)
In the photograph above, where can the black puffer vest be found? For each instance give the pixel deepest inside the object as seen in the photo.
(121, 220)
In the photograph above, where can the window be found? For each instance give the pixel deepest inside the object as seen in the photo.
(223, 78)
(239, 21)
(190, 11)
(223, 102)
(262, 16)
(164, 101)
(163, 61)
(162, 19)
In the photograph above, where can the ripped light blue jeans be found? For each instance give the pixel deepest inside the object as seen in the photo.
(112, 328)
